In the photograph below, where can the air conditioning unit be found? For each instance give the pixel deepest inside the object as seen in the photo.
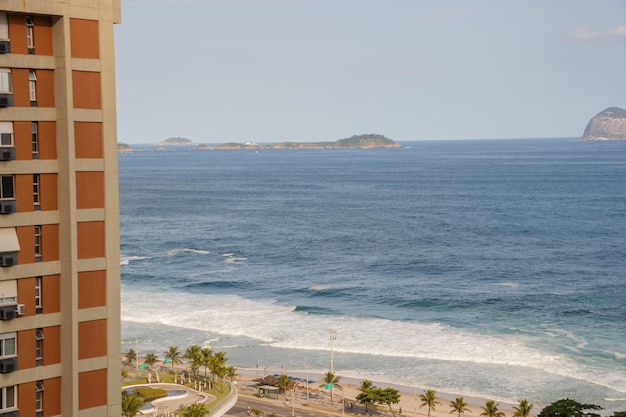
(7, 154)
(5, 47)
(8, 312)
(6, 100)
(8, 259)
(7, 206)
(21, 309)
(8, 365)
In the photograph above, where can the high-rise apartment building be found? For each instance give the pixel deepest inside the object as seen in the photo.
(59, 213)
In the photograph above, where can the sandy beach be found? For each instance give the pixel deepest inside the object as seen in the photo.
(319, 398)
(409, 404)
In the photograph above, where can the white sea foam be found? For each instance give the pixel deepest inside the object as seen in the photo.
(198, 251)
(319, 287)
(226, 269)
(233, 260)
(174, 252)
(125, 260)
(283, 327)
(508, 284)
(580, 342)
(618, 355)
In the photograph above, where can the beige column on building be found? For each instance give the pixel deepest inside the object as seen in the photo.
(78, 362)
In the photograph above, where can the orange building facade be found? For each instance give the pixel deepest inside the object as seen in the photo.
(59, 212)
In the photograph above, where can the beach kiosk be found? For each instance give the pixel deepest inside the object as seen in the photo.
(268, 391)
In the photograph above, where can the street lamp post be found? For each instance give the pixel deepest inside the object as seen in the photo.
(342, 402)
(307, 385)
(333, 336)
(293, 400)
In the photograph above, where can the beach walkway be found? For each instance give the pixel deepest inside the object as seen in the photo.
(178, 397)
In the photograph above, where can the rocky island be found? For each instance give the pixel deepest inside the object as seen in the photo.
(609, 124)
(367, 141)
(176, 141)
(123, 147)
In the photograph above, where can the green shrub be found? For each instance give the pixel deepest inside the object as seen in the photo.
(149, 394)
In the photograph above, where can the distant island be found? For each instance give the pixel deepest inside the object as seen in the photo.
(123, 147)
(176, 141)
(609, 124)
(367, 141)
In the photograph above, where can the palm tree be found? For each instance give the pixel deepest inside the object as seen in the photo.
(207, 355)
(130, 404)
(217, 365)
(459, 406)
(151, 359)
(283, 383)
(194, 355)
(366, 397)
(221, 374)
(491, 409)
(256, 411)
(330, 378)
(366, 385)
(220, 359)
(131, 356)
(523, 408)
(231, 373)
(195, 410)
(429, 399)
(192, 350)
(173, 354)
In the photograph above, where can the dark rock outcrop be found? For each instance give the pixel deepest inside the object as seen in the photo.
(609, 124)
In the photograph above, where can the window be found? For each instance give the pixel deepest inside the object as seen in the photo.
(39, 398)
(7, 190)
(39, 347)
(37, 243)
(38, 305)
(30, 34)
(36, 191)
(9, 247)
(8, 292)
(4, 26)
(8, 345)
(6, 134)
(8, 398)
(32, 87)
(6, 139)
(34, 129)
(6, 83)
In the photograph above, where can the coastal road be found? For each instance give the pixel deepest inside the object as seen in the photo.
(279, 408)
(241, 408)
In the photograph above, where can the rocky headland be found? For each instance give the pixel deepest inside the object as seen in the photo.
(609, 124)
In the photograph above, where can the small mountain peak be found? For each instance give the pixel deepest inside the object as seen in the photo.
(609, 124)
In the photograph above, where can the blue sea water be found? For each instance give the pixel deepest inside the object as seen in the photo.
(489, 268)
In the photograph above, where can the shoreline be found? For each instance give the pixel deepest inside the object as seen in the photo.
(409, 396)
(409, 404)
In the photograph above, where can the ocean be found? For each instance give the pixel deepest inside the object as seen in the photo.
(485, 268)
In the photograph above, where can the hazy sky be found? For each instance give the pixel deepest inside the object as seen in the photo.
(216, 71)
